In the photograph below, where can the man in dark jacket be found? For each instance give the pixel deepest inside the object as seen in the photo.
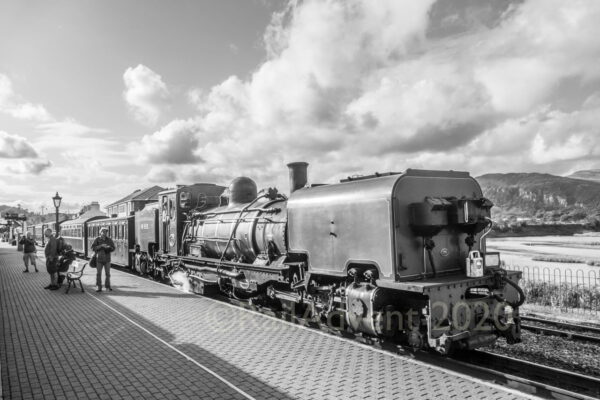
(103, 246)
(28, 251)
(51, 252)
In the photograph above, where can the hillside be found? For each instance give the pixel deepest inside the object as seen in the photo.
(542, 197)
(590, 175)
(32, 218)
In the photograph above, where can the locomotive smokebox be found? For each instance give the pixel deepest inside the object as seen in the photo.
(298, 175)
(242, 190)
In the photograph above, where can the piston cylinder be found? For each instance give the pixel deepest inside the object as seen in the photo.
(365, 312)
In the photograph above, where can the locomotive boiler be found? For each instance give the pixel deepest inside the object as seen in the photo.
(394, 255)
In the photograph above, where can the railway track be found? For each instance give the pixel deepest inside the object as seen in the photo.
(561, 329)
(528, 377)
(544, 381)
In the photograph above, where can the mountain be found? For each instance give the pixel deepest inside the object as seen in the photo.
(32, 218)
(588, 175)
(542, 197)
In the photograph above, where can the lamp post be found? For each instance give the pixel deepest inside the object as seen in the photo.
(56, 199)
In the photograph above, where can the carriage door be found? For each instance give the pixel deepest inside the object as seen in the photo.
(173, 232)
(164, 225)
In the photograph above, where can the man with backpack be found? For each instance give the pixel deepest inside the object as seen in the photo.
(51, 252)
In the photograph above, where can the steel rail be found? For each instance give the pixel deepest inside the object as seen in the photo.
(555, 332)
(564, 325)
(543, 378)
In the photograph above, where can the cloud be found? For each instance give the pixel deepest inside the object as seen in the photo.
(159, 174)
(145, 93)
(176, 143)
(29, 166)
(356, 87)
(13, 105)
(14, 146)
(68, 128)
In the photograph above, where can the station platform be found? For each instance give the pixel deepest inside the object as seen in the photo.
(146, 340)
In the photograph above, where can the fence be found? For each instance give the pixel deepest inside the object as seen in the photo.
(565, 289)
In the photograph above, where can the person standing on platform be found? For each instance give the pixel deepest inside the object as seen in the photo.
(28, 251)
(103, 246)
(51, 252)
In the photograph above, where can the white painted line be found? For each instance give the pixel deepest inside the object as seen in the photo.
(219, 377)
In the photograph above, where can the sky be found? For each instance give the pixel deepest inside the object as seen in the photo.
(102, 97)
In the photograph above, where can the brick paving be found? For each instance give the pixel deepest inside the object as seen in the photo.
(146, 340)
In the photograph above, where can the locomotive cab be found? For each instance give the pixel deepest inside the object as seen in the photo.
(410, 249)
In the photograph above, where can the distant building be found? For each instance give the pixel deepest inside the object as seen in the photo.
(134, 202)
(91, 210)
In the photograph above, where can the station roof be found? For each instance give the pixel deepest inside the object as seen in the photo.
(147, 194)
(85, 217)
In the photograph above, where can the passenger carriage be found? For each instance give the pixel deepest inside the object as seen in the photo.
(146, 238)
(75, 232)
(121, 231)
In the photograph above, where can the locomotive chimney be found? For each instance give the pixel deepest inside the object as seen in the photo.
(298, 176)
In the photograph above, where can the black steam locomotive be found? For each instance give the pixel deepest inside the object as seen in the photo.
(394, 255)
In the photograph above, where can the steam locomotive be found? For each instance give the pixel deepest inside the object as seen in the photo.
(395, 255)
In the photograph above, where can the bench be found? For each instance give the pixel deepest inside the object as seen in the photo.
(74, 275)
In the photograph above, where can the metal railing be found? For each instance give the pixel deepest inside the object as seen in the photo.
(565, 289)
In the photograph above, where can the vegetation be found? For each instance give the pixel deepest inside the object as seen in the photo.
(593, 263)
(32, 218)
(558, 259)
(523, 228)
(538, 199)
(562, 295)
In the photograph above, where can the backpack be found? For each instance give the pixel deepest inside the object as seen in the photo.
(60, 245)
